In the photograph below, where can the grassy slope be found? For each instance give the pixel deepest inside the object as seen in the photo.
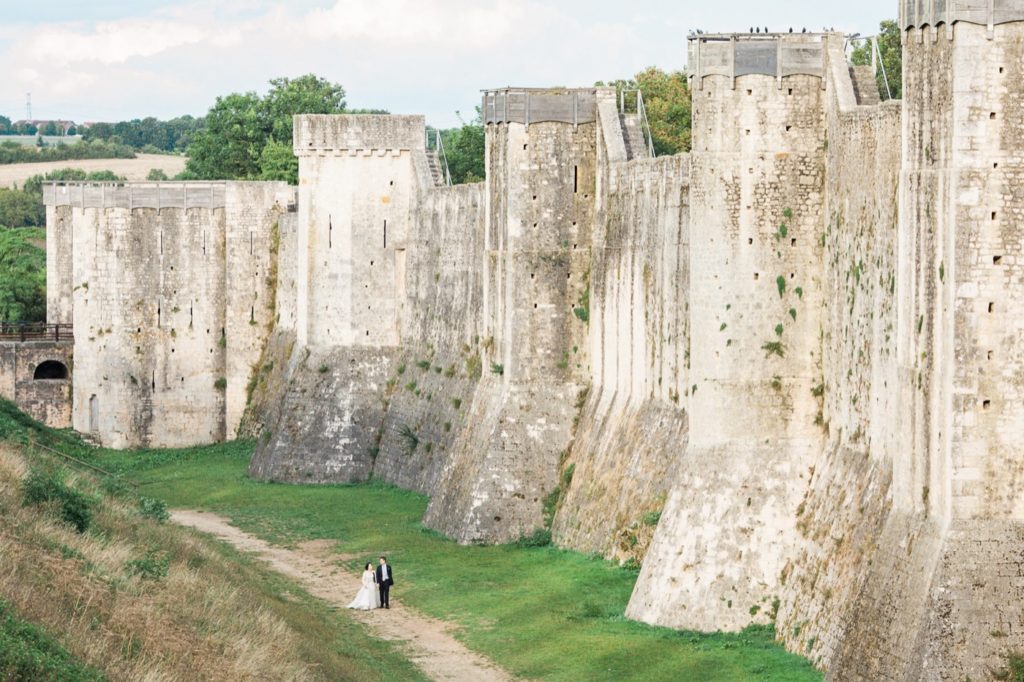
(542, 613)
(29, 653)
(216, 613)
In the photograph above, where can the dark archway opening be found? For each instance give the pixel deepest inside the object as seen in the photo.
(51, 369)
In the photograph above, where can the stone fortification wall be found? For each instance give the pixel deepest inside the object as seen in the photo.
(359, 179)
(957, 479)
(633, 428)
(432, 386)
(150, 296)
(45, 396)
(541, 186)
(848, 501)
(755, 301)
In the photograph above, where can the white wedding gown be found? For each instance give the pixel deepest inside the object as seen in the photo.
(368, 596)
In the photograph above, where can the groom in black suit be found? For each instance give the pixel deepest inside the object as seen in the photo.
(385, 579)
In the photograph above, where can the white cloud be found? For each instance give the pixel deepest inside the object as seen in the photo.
(442, 25)
(112, 42)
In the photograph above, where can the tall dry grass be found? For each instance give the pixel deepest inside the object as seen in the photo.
(212, 616)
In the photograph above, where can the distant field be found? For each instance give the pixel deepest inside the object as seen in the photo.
(133, 169)
(50, 140)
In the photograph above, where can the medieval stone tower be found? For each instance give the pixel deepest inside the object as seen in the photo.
(757, 184)
(541, 163)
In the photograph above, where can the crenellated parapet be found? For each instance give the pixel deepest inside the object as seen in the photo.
(316, 134)
(767, 54)
(922, 13)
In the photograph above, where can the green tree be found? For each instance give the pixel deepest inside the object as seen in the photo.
(22, 277)
(230, 145)
(891, 50)
(278, 162)
(21, 209)
(156, 175)
(50, 129)
(5, 125)
(240, 126)
(464, 150)
(307, 94)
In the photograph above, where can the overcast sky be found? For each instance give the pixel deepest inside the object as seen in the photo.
(108, 60)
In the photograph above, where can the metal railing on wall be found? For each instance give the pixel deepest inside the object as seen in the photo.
(877, 64)
(640, 109)
(23, 332)
(435, 143)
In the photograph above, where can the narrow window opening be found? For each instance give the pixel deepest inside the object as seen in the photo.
(161, 242)
(1000, 69)
(534, 305)
(524, 146)
(204, 242)
(371, 264)
(756, 276)
(788, 128)
(791, 91)
(252, 242)
(995, 165)
(792, 242)
(330, 232)
(996, 260)
(991, 307)
(531, 275)
(190, 316)
(252, 313)
(985, 404)
(988, 355)
(535, 197)
(575, 178)
(158, 315)
(792, 275)
(750, 240)
(367, 332)
(750, 92)
(748, 132)
(992, 116)
(152, 381)
(391, 183)
(385, 234)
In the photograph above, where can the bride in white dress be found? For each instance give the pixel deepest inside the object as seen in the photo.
(368, 596)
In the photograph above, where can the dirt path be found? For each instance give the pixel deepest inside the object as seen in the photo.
(429, 642)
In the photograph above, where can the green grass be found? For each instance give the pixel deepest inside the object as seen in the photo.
(542, 613)
(28, 653)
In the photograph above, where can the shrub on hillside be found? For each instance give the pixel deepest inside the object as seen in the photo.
(48, 487)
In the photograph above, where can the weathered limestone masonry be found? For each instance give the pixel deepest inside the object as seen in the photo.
(632, 430)
(35, 376)
(755, 301)
(944, 597)
(541, 186)
(849, 499)
(359, 177)
(171, 302)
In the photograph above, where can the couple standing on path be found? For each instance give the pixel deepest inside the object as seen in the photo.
(376, 587)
